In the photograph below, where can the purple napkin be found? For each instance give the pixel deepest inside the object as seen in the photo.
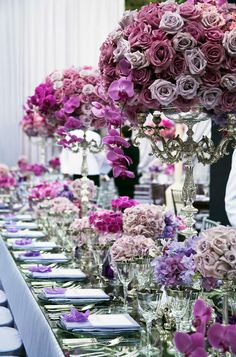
(40, 269)
(58, 291)
(12, 230)
(23, 241)
(30, 254)
(76, 316)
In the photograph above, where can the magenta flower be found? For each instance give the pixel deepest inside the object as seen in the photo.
(222, 337)
(202, 315)
(114, 138)
(121, 171)
(190, 345)
(72, 123)
(121, 89)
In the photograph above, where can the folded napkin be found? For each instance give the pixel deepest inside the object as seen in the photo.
(15, 233)
(102, 322)
(29, 244)
(75, 293)
(31, 256)
(44, 273)
(20, 225)
(16, 217)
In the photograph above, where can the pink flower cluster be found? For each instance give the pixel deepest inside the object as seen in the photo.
(62, 205)
(123, 202)
(131, 247)
(7, 179)
(105, 221)
(169, 54)
(25, 167)
(144, 219)
(77, 231)
(216, 253)
(76, 189)
(46, 190)
(54, 163)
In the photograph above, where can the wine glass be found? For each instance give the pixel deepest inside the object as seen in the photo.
(125, 271)
(180, 304)
(144, 273)
(148, 304)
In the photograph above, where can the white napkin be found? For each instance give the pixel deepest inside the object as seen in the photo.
(57, 257)
(24, 225)
(23, 234)
(78, 293)
(60, 273)
(18, 217)
(36, 245)
(100, 322)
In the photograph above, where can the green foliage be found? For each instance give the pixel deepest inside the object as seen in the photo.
(136, 4)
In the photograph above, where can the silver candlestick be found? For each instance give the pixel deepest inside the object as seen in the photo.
(176, 149)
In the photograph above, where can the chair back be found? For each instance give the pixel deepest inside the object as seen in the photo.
(208, 223)
(177, 200)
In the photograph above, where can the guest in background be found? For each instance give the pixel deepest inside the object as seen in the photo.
(71, 162)
(126, 186)
(230, 195)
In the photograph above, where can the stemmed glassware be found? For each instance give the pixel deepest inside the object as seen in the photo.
(143, 273)
(149, 302)
(125, 271)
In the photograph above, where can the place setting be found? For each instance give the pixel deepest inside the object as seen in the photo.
(46, 272)
(40, 257)
(31, 244)
(13, 232)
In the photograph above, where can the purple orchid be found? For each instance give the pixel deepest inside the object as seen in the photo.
(222, 337)
(23, 241)
(114, 138)
(76, 316)
(40, 269)
(190, 345)
(202, 315)
(121, 171)
(73, 123)
(121, 89)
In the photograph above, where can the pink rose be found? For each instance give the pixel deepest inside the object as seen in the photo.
(159, 35)
(177, 66)
(230, 63)
(214, 34)
(195, 60)
(211, 78)
(141, 76)
(230, 257)
(160, 55)
(150, 14)
(189, 11)
(221, 270)
(195, 29)
(106, 52)
(141, 36)
(213, 19)
(219, 245)
(228, 81)
(214, 54)
(228, 101)
(183, 41)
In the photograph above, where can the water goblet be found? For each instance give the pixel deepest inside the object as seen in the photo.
(149, 301)
(125, 271)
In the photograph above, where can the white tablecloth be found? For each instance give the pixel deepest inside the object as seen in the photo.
(35, 331)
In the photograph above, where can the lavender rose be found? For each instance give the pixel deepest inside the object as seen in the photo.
(177, 66)
(137, 59)
(214, 54)
(228, 81)
(171, 22)
(213, 19)
(187, 86)
(214, 35)
(209, 97)
(160, 55)
(195, 60)
(229, 42)
(123, 47)
(183, 41)
(163, 91)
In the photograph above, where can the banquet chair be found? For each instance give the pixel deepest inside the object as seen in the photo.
(6, 318)
(10, 342)
(208, 223)
(177, 200)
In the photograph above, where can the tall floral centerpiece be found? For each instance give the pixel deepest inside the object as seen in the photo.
(181, 60)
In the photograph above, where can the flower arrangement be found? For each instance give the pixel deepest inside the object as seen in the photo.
(176, 265)
(46, 190)
(144, 219)
(216, 253)
(61, 206)
(169, 54)
(55, 163)
(105, 221)
(77, 231)
(129, 247)
(123, 202)
(7, 179)
(76, 189)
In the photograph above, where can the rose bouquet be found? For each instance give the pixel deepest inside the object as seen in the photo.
(144, 219)
(76, 188)
(129, 247)
(216, 253)
(61, 206)
(46, 190)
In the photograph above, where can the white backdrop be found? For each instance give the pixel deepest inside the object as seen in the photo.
(36, 37)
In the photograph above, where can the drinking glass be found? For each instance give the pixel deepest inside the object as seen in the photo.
(125, 271)
(148, 304)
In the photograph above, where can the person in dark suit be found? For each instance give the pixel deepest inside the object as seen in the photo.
(126, 186)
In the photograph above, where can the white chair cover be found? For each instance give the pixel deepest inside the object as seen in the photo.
(6, 318)
(3, 298)
(10, 342)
